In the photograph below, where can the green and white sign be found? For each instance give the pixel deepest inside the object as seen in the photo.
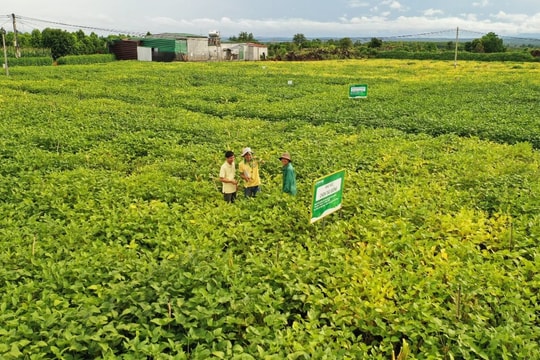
(358, 91)
(327, 195)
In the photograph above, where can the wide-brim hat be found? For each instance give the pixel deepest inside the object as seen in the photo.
(285, 155)
(246, 150)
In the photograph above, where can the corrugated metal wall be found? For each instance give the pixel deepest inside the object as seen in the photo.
(125, 49)
(163, 49)
(181, 46)
(164, 45)
(167, 49)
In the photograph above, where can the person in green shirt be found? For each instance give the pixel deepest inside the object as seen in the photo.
(289, 175)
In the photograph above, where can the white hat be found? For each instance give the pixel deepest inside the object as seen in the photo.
(246, 150)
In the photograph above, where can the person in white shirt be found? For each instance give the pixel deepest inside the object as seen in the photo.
(227, 175)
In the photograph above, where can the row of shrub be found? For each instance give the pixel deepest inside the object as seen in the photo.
(86, 59)
(66, 60)
(30, 61)
(307, 55)
(333, 54)
(449, 55)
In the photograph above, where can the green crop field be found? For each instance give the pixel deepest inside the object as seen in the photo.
(115, 241)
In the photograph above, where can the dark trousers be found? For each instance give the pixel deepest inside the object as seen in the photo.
(251, 191)
(229, 197)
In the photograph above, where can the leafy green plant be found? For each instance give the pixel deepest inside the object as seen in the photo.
(116, 243)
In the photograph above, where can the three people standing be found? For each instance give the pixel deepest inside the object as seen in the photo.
(249, 172)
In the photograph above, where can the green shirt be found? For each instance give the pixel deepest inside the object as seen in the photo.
(289, 179)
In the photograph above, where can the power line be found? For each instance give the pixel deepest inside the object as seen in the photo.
(92, 28)
(8, 20)
(422, 34)
(472, 32)
(519, 38)
(451, 32)
(27, 20)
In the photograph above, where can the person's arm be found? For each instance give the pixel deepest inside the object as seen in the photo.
(227, 181)
(243, 173)
(223, 179)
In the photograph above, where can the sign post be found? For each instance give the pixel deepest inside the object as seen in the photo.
(327, 195)
(358, 91)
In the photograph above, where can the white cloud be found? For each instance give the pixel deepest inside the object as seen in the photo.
(433, 12)
(166, 21)
(469, 17)
(357, 4)
(517, 18)
(392, 4)
(482, 3)
(363, 26)
(516, 23)
(363, 20)
(349, 18)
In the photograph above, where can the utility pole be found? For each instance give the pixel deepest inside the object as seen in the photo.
(3, 32)
(15, 41)
(455, 54)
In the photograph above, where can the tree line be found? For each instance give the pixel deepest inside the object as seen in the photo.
(58, 43)
(488, 47)
(302, 48)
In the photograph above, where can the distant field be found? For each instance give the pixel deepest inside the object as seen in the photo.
(115, 241)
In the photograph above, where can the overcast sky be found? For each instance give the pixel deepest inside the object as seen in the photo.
(280, 18)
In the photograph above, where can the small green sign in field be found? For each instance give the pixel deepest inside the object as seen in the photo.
(327, 195)
(358, 91)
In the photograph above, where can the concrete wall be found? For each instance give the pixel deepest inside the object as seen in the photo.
(244, 52)
(197, 49)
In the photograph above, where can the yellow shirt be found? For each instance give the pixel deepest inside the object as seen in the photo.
(251, 170)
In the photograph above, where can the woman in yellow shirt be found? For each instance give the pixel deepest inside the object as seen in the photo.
(249, 171)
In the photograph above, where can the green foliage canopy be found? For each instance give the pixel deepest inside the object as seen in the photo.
(116, 243)
(492, 43)
(243, 37)
(375, 43)
(300, 40)
(59, 41)
(489, 43)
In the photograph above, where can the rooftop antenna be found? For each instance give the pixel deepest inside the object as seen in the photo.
(214, 39)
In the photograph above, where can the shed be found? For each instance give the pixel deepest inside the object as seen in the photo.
(183, 47)
(256, 52)
(124, 49)
(245, 51)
